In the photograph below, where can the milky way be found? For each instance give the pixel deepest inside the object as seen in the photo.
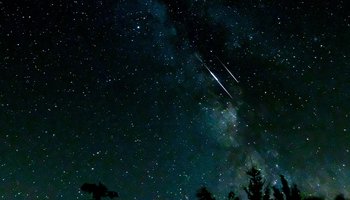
(113, 91)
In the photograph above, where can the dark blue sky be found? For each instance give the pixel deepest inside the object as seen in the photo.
(112, 91)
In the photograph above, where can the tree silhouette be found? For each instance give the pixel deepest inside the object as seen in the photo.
(277, 194)
(204, 194)
(98, 191)
(295, 193)
(285, 188)
(267, 193)
(256, 183)
(313, 198)
(287, 193)
(232, 196)
(256, 190)
(339, 197)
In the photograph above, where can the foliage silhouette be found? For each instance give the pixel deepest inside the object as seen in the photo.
(267, 193)
(255, 190)
(204, 194)
(286, 192)
(339, 197)
(285, 188)
(295, 193)
(313, 198)
(277, 194)
(256, 183)
(98, 191)
(232, 196)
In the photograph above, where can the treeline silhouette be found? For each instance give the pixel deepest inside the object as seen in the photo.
(258, 189)
(98, 191)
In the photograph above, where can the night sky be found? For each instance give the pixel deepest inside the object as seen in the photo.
(118, 91)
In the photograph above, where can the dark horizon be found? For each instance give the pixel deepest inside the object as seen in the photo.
(257, 188)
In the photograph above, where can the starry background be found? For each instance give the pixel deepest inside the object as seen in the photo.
(112, 91)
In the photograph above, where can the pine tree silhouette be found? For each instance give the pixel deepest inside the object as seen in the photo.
(98, 191)
(313, 198)
(295, 193)
(287, 193)
(339, 197)
(204, 194)
(256, 183)
(285, 188)
(267, 193)
(232, 196)
(277, 194)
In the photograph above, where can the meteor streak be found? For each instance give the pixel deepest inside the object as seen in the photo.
(213, 75)
(227, 69)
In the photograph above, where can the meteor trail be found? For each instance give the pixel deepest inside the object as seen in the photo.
(227, 69)
(217, 80)
(213, 75)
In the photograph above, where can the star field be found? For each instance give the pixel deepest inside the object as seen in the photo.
(112, 91)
